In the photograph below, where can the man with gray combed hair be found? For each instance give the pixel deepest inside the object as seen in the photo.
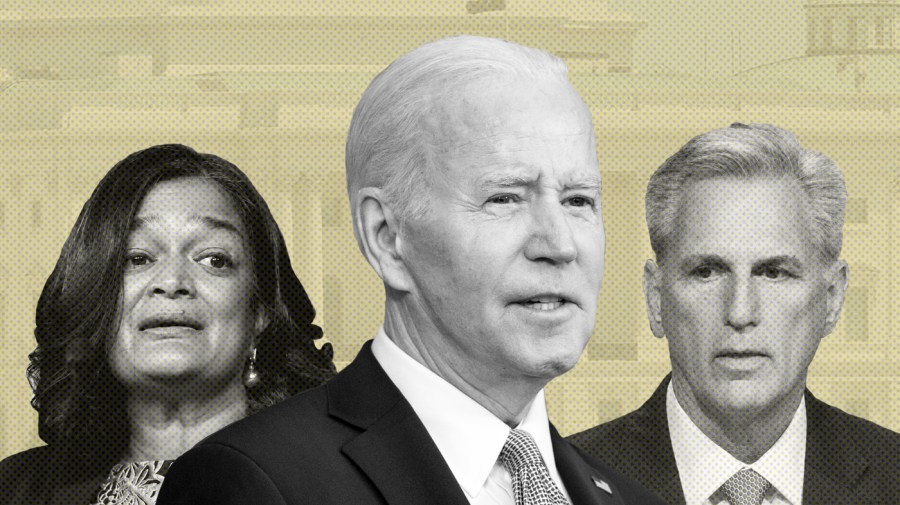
(746, 228)
(474, 188)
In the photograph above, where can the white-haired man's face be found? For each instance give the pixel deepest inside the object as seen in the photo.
(506, 265)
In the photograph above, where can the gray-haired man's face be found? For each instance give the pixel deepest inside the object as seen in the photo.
(743, 296)
(508, 262)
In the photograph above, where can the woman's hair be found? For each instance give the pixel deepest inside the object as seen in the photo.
(81, 405)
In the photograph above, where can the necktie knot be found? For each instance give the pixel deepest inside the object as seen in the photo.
(519, 451)
(531, 481)
(745, 487)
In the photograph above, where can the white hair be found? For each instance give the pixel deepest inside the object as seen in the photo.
(385, 145)
(748, 152)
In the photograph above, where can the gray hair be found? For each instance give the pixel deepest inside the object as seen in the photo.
(386, 147)
(748, 152)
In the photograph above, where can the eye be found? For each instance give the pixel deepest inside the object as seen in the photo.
(137, 259)
(217, 261)
(580, 201)
(774, 273)
(705, 272)
(503, 199)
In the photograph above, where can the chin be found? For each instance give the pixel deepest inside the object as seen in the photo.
(748, 399)
(156, 370)
(549, 367)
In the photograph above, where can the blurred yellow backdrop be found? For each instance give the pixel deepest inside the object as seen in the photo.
(272, 87)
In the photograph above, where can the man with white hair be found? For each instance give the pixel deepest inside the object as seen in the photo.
(475, 193)
(746, 227)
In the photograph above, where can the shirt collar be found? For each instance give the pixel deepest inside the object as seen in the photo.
(703, 466)
(468, 435)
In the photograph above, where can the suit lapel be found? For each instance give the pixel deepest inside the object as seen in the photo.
(584, 484)
(394, 449)
(833, 467)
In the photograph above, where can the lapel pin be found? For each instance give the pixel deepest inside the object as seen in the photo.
(602, 485)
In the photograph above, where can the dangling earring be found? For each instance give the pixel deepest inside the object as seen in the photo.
(251, 376)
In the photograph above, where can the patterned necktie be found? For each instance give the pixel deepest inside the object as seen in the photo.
(745, 488)
(531, 481)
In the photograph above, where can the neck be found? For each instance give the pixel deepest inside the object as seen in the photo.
(746, 434)
(506, 397)
(166, 425)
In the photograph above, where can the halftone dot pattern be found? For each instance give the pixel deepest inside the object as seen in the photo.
(272, 87)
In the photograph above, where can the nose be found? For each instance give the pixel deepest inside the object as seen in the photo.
(742, 303)
(173, 279)
(551, 239)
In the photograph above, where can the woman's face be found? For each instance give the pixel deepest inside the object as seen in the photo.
(187, 310)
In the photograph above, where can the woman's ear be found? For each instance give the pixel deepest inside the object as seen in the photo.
(262, 322)
(652, 280)
(379, 234)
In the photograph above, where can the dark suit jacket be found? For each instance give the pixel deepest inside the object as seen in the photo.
(355, 440)
(848, 459)
(44, 475)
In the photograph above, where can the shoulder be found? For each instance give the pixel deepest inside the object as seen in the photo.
(300, 425)
(631, 491)
(623, 437)
(260, 459)
(27, 458)
(849, 459)
(302, 411)
(839, 431)
(645, 428)
(217, 474)
(19, 476)
(33, 476)
(638, 445)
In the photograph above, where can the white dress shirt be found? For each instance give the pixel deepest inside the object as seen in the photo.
(704, 466)
(468, 435)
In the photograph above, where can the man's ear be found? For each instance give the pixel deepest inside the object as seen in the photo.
(380, 238)
(838, 277)
(651, 283)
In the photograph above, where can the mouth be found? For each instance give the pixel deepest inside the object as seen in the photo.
(544, 303)
(741, 354)
(170, 320)
(741, 364)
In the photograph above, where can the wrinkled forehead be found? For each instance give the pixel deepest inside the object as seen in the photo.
(474, 114)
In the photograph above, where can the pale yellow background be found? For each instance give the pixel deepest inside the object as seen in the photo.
(271, 88)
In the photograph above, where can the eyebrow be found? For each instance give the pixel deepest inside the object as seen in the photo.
(591, 182)
(504, 181)
(210, 222)
(784, 259)
(700, 259)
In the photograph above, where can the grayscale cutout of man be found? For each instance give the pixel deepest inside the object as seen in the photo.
(746, 228)
(475, 193)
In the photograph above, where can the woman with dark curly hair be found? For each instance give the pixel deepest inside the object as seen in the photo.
(172, 312)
